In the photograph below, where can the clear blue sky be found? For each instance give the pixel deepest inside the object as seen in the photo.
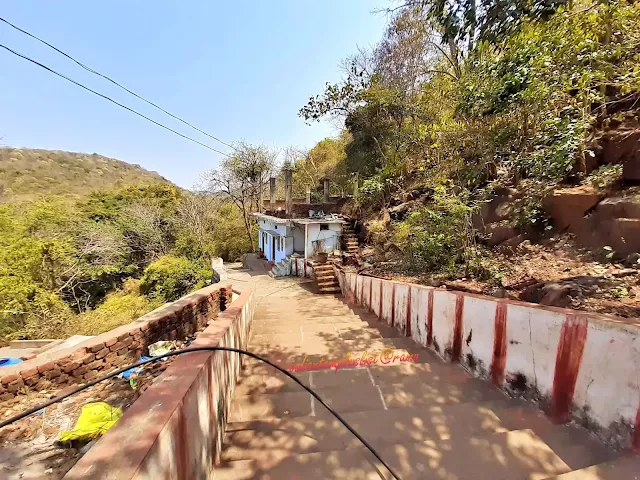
(238, 70)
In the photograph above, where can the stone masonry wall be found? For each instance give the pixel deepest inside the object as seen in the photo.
(116, 348)
(176, 428)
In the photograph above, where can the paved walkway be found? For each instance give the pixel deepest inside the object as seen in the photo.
(428, 419)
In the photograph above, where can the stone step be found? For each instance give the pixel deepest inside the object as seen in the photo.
(281, 464)
(332, 343)
(626, 467)
(514, 455)
(295, 320)
(301, 312)
(391, 426)
(322, 372)
(328, 271)
(437, 424)
(321, 278)
(361, 397)
(321, 275)
(329, 287)
(361, 331)
(291, 328)
(302, 404)
(508, 455)
(329, 290)
(324, 266)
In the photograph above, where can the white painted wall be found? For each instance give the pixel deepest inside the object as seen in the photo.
(400, 312)
(283, 244)
(607, 388)
(609, 378)
(301, 268)
(375, 290)
(532, 343)
(419, 312)
(331, 237)
(478, 320)
(298, 238)
(444, 308)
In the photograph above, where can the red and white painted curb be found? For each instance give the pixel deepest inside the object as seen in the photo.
(584, 365)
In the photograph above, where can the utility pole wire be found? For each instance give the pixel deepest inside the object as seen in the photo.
(112, 100)
(89, 69)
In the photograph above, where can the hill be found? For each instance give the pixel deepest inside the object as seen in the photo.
(28, 173)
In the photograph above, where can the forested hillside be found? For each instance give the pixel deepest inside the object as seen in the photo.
(477, 128)
(107, 254)
(27, 173)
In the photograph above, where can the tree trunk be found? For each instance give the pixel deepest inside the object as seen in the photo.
(455, 59)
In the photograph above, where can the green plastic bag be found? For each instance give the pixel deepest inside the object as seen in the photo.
(95, 419)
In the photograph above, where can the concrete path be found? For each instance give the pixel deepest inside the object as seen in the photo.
(428, 419)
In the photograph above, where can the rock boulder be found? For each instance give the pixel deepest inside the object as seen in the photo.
(499, 233)
(568, 206)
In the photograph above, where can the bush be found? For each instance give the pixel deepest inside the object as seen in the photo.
(438, 236)
(169, 277)
(119, 308)
(33, 313)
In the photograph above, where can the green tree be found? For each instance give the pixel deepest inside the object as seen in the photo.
(169, 277)
(243, 179)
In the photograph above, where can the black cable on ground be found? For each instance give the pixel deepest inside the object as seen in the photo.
(117, 372)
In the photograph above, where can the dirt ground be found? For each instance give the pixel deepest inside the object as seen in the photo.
(554, 272)
(29, 448)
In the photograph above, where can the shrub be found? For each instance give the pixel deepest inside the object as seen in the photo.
(119, 308)
(33, 313)
(438, 236)
(169, 277)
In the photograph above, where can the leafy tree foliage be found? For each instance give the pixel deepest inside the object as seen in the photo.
(67, 266)
(243, 178)
(469, 95)
(169, 277)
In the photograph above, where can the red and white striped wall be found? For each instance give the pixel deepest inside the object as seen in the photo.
(580, 365)
(300, 267)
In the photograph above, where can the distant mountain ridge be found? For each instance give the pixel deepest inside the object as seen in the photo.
(29, 173)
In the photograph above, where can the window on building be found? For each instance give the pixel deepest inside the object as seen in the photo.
(324, 226)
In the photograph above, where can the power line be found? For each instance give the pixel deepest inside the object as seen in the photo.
(111, 100)
(89, 69)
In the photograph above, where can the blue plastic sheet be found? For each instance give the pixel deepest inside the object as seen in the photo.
(131, 371)
(5, 362)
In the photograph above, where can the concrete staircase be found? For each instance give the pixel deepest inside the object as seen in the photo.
(326, 280)
(350, 240)
(427, 419)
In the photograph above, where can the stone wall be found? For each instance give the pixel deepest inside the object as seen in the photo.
(175, 429)
(124, 345)
(577, 365)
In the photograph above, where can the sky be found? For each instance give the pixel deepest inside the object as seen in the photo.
(237, 70)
